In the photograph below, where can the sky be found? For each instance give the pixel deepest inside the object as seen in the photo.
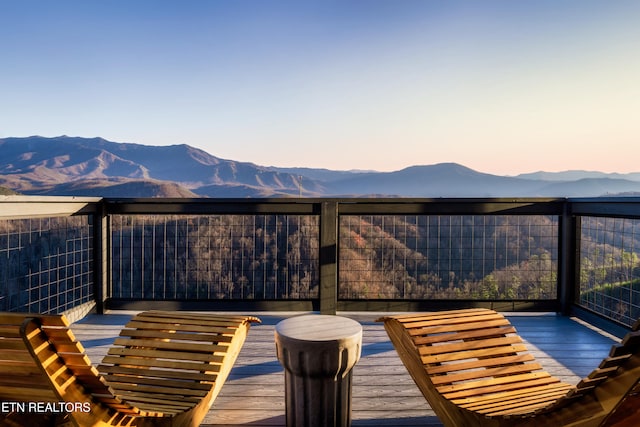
(503, 87)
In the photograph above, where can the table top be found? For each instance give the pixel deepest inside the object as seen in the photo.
(318, 327)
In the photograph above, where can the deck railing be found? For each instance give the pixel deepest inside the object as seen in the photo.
(47, 247)
(326, 255)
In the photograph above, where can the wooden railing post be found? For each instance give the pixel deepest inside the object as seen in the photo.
(568, 259)
(328, 257)
(101, 256)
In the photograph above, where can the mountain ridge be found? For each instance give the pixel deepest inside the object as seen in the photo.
(67, 165)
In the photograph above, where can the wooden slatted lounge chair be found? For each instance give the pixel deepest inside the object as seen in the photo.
(474, 370)
(166, 369)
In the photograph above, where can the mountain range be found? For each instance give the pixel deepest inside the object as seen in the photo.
(75, 166)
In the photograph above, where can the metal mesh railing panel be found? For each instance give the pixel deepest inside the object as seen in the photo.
(46, 264)
(206, 257)
(610, 267)
(496, 257)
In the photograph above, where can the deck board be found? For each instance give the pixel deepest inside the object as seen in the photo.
(383, 392)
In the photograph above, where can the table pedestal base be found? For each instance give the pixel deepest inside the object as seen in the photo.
(317, 398)
(318, 353)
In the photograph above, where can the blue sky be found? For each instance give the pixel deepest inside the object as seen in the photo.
(503, 87)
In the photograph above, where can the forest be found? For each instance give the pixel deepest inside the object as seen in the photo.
(46, 264)
(276, 257)
(494, 257)
(610, 267)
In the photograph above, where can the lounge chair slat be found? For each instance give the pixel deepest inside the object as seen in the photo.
(11, 344)
(484, 332)
(451, 377)
(170, 326)
(145, 333)
(455, 320)
(498, 397)
(155, 363)
(123, 384)
(159, 373)
(474, 345)
(164, 354)
(140, 396)
(495, 384)
(456, 327)
(169, 345)
(506, 350)
(614, 361)
(479, 363)
(207, 317)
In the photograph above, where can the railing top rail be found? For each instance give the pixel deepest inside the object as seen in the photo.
(307, 200)
(12, 207)
(620, 207)
(606, 199)
(455, 207)
(187, 206)
(19, 207)
(346, 206)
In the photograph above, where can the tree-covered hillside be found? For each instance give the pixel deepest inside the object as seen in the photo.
(276, 257)
(497, 257)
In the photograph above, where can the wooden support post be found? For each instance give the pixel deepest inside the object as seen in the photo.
(568, 260)
(328, 257)
(101, 256)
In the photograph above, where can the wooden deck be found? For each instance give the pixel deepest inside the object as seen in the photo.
(383, 392)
